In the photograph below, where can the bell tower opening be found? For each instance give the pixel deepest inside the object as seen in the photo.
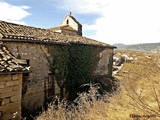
(67, 22)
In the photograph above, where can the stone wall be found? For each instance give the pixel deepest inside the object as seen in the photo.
(104, 66)
(10, 96)
(33, 87)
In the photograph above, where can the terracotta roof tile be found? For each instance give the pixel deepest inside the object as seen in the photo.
(8, 63)
(16, 32)
(66, 27)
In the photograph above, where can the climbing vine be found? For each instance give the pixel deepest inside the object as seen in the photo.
(58, 64)
(83, 61)
(73, 65)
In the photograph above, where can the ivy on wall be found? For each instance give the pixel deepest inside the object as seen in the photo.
(83, 62)
(73, 65)
(58, 64)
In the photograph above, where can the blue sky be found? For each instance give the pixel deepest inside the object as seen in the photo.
(109, 21)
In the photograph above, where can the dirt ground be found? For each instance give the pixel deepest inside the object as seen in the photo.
(139, 97)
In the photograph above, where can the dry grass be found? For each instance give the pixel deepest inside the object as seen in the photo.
(139, 97)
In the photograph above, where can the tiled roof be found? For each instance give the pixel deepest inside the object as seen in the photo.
(66, 27)
(8, 63)
(16, 32)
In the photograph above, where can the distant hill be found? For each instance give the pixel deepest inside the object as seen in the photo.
(145, 46)
(120, 45)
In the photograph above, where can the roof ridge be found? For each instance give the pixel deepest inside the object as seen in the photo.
(17, 32)
(21, 25)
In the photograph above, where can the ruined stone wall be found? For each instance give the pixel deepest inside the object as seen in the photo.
(10, 96)
(104, 66)
(33, 87)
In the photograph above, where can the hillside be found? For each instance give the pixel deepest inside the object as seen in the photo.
(120, 45)
(145, 46)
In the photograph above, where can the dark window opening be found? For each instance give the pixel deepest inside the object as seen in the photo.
(67, 22)
(24, 63)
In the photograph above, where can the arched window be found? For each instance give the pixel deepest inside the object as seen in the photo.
(67, 22)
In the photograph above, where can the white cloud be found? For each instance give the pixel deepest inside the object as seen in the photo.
(130, 22)
(82, 6)
(120, 21)
(24, 7)
(13, 13)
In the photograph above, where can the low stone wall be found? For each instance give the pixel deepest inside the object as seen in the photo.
(10, 96)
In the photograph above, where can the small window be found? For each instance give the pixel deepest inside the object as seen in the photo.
(67, 22)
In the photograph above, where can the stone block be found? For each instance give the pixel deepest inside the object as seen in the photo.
(12, 83)
(10, 94)
(17, 87)
(15, 77)
(6, 101)
(5, 78)
(6, 89)
(10, 106)
(2, 86)
(16, 98)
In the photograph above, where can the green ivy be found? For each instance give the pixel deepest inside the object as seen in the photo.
(73, 65)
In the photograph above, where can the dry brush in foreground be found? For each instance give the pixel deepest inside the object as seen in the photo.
(138, 98)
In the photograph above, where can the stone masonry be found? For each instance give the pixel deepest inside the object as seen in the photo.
(31, 45)
(10, 96)
(11, 75)
(103, 67)
(33, 97)
(35, 85)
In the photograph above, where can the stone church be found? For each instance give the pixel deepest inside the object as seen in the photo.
(30, 46)
(69, 26)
